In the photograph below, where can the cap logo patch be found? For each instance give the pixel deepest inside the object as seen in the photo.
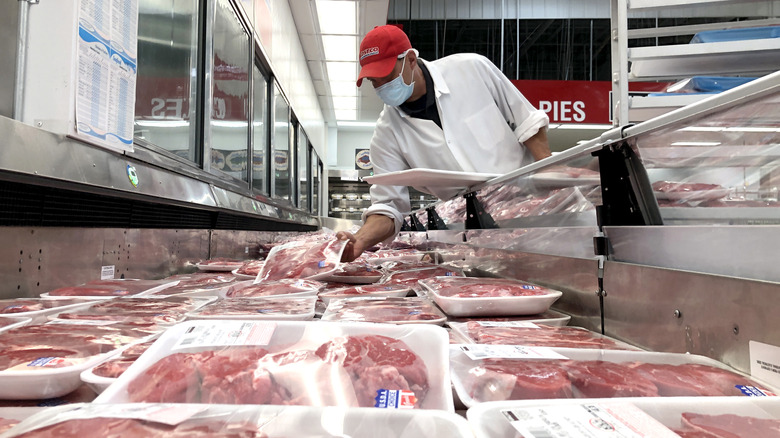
(368, 52)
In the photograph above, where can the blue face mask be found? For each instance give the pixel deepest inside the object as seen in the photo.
(396, 92)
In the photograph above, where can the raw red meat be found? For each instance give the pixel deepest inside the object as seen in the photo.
(112, 368)
(251, 268)
(131, 428)
(542, 335)
(366, 290)
(731, 426)
(7, 423)
(389, 310)
(602, 379)
(468, 287)
(20, 356)
(411, 277)
(108, 288)
(21, 305)
(504, 379)
(356, 270)
(273, 288)
(693, 379)
(264, 306)
(377, 362)
(172, 379)
(670, 186)
(160, 310)
(302, 260)
(201, 279)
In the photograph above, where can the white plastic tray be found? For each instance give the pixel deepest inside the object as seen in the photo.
(189, 303)
(13, 322)
(261, 308)
(274, 421)
(41, 316)
(489, 420)
(693, 195)
(363, 309)
(242, 276)
(9, 415)
(390, 291)
(77, 298)
(462, 329)
(429, 342)
(492, 306)
(311, 289)
(550, 317)
(460, 365)
(430, 178)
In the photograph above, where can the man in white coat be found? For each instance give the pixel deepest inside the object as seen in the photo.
(456, 113)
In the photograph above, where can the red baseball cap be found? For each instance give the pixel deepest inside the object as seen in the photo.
(379, 51)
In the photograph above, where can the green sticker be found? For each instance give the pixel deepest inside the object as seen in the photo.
(132, 175)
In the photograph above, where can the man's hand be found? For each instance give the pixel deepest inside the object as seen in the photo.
(376, 229)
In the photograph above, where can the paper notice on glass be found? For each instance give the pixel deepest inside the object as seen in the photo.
(107, 71)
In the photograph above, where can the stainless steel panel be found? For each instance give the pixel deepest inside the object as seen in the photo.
(9, 28)
(37, 260)
(719, 315)
(574, 242)
(242, 244)
(336, 224)
(732, 250)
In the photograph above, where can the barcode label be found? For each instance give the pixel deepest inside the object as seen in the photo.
(226, 333)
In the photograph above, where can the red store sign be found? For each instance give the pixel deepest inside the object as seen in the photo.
(576, 101)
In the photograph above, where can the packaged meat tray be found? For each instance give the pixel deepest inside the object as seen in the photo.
(550, 317)
(249, 270)
(680, 191)
(220, 264)
(702, 417)
(498, 373)
(100, 376)
(393, 255)
(288, 287)
(38, 309)
(373, 290)
(407, 310)
(159, 310)
(108, 289)
(202, 278)
(412, 277)
(45, 361)
(274, 307)
(189, 421)
(356, 274)
(476, 296)
(12, 322)
(535, 335)
(209, 290)
(11, 416)
(301, 259)
(291, 363)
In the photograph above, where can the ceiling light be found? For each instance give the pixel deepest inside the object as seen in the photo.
(340, 47)
(344, 103)
(696, 143)
(346, 114)
(342, 71)
(343, 88)
(337, 17)
(347, 123)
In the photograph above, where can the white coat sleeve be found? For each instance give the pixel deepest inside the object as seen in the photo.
(390, 201)
(523, 117)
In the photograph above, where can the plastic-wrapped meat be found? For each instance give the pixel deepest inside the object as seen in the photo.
(7, 423)
(112, 368)
(602, 379)
(356, 270)
(162, 310)
(670, 186)
(728, 426)
(285, 286)
(251, 268)
(389, 310)
(221, 264)
(501, 379)
(692, 379)
(541, 335)
(116, 288)
(467, 287)
(399, 265)
(409, 254)
(201, 279)
(411, 277)
(21, 305)
(377, 362)
(302, 260)
(102, 427)
(255, 306)
(351, 291)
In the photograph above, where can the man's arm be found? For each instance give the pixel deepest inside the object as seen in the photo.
(538, 145)
(376, 229)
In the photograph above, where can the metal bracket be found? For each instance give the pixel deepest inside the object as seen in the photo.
(476, 216)
(434, 221)
(405, 226)
(415, 223)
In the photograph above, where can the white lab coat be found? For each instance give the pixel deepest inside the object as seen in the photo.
(484, 121)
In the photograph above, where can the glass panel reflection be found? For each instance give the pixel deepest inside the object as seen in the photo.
(303, 170)
(260, 132)
(282, 169)
(165, 88)
(229, 113)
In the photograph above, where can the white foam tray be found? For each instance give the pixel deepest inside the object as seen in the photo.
(429, 342)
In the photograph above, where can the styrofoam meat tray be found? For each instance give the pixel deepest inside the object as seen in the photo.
(492, 305)
(192, 304)
(388, 290)
(12, 322)
(366, 308)
(494, 419)
(242, 276)
(209, 290)
(78, 298)
(271, 421)
(41, 316)
(462, 329)
(550, 317)
(429, 342)
(9, 416)
(460, 365)
(260, 308)
(308, 288)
